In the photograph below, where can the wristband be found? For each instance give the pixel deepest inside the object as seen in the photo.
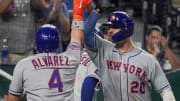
(78, 24)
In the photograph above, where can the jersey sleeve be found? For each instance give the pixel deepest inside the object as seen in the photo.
(93, 71)
(93, 86)
(86, 69)
(89, 26)
(16, 86)
(93, 52)
(74, 50)
(88, 89)
(158, 78)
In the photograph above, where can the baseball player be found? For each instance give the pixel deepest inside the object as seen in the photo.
(128, 73)
(48, 76)
(87, 75)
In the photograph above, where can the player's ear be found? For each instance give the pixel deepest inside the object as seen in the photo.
(147, 37)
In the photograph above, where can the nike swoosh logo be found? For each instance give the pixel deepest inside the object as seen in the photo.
(80, 4)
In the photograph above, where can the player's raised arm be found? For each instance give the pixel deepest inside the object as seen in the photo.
(89, 27)
(78, 24)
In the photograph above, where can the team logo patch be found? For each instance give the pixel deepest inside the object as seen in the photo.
(112, 17)
(75, 47)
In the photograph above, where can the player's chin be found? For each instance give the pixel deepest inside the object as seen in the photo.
(110, 39)
(120, 43)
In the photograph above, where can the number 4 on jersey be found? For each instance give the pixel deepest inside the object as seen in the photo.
(55, 81)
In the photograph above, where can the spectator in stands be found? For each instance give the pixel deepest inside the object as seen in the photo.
(54, 12)
(4, 5)
(157, 45)
(17, 25)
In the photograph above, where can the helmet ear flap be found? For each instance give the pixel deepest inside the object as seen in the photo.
(121, 35)
(125, 30)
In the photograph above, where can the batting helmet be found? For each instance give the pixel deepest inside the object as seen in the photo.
(121, 20)
(47, 39)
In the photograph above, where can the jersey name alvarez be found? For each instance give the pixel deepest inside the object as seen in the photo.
(50, 61)
(131, 69)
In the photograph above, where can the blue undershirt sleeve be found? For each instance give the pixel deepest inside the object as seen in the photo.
(89, 35)
(88, 87)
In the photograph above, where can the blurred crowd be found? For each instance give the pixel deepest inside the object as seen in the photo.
(19, 20)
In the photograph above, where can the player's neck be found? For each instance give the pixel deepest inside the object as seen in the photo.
(125, 46)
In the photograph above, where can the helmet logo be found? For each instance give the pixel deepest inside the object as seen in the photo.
(44, 36)
(47, 38)
(112, 17)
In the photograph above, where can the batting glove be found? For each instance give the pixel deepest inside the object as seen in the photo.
(79, 6)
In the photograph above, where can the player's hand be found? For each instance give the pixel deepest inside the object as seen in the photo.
(79, 6)
(164, 42)
(99, 8)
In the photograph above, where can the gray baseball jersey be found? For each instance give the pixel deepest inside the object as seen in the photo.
(47, 76)
(127, 76)
(86, 69)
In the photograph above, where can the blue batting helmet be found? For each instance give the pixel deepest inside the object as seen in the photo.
(47, 39)
(121, 20)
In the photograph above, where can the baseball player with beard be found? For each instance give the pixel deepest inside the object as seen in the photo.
(48, 76)
(128, 73)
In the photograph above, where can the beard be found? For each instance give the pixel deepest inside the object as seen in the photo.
(120, 43)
